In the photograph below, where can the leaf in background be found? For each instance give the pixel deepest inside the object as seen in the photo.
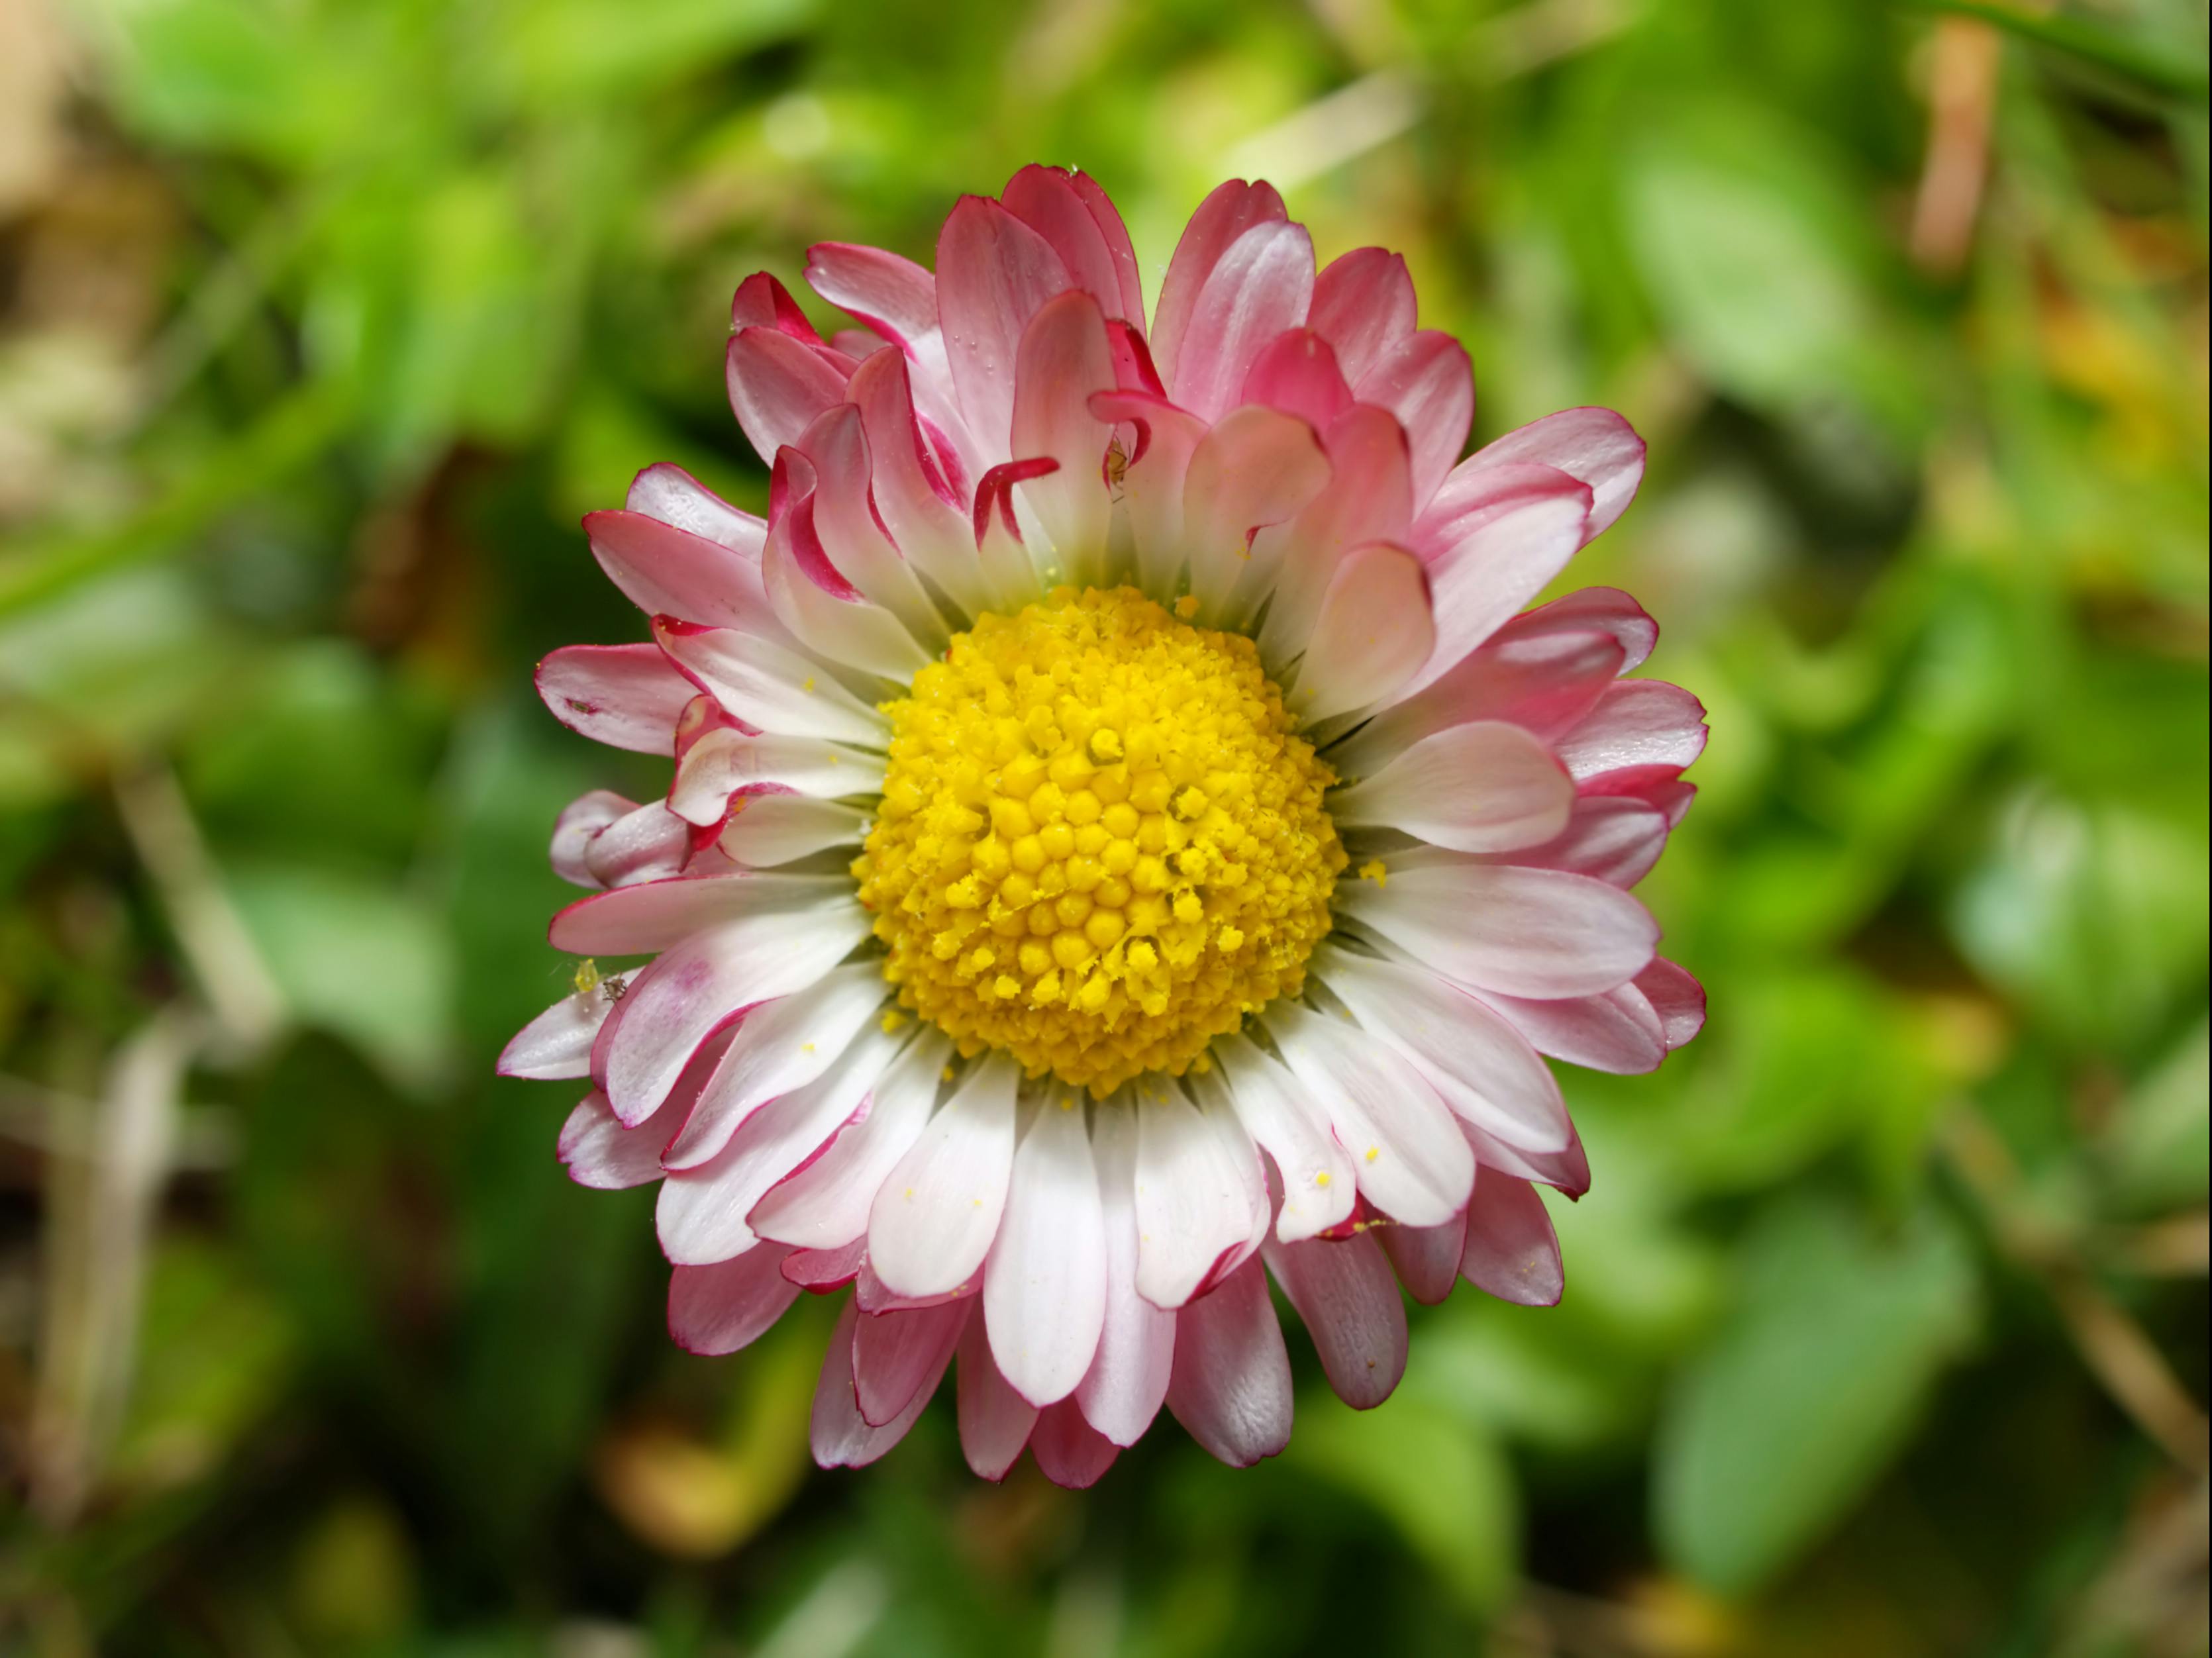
(1444, 1482)
(1808, 1392)
(2160, 1144)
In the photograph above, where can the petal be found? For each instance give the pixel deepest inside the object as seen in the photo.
(1069, 1451)
(1616, 1030)
(665, 571)
(1477, 1063)
(841, 1436)
(1426, 380)
(1489, 560)
(1298, 373)
(1595, 445)
(1374, 629)
(671, 494)
(851, 531)
(1261, 285)
(1044, 1282)
(580, 823)
(1614, 838)
(648, 844)
(1677, 997)
(933, 1222)
(1646, 725)
(727, 762)
(1123, 1391)
(655, 915)
(1345, 1294)
(1426, 1258)
(994, 1420)
(702, 1212)
(720, 1309)
(777, 387)
(1511, 1251)
(1152, 484)
(1086, 233)
(924, 514)
(892, 295)
(766, 830)
(1320, 1185)
(1009, 568)
(838, 623)
(781, 1045)
(767, 686)
(1195, 1204)
(823, 1271)
(627, 697)
(1257, 466)
(826, 1202)
(761, 302)
(1412, 1162)
(1482, 787)
(597, 1152)
(1064, 360)
(1362, 305)
(1233, 207)
(1524, 932)
(1568, 1170)
(993, 273)
(1231, 1384)
(557, 1043)
(699, 988)
(895, 1354)
(1369, 497)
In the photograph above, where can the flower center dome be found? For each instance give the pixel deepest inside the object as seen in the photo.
(1100, 845)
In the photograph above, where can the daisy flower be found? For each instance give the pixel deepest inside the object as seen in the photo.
(1126, 838)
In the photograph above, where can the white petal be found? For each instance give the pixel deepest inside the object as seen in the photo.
(1484, 788)
(1045, 1283)
(1194, 1205)
(765, 830)
(767, 686)
(1524, 932)
(1127, 1379)
(826, 1204)
(1320, 1184)
(656, 915)
(934, 1220)
(557, 1043)
(725, 760)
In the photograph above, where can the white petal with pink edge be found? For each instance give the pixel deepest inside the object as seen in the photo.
(826, 1204)
(1063, 363)
(1224, 215)
(1525, 931)
(671, 494)
(932, 1222)
(765, 685)
(557, 1044)
(1487, 786)
(1595, 445)
(627, 697)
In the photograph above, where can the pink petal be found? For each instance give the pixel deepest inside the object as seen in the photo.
(1373, 630)
(1524, 932)
(597, 1152)
(1426, 1258)
(557, 1044)
(1614, 838)
(1487, 786)
(1637, 723)
(1595, 445)
(668, 492)
(636, 920)
(1369, 497)
(1069, 1451)
(1616, 1030)
(1260, 286)
(1320, 1185)
(1345, 1294)
(995, 1421)
(1362, 305)
(703, 1208)
(1488, 558)
(837, 623)
(1044, 1281)
(720, 1309)
(926, 517)
(624, 696)
(1413, 1163)
(1298, 373)
(1063, 362)
(827, 1202)
(648, 844)
(777, 387)
(1123, 1391)
(893, 295)
(1476, 1062)
(932, 1223)
(578, 824)
(841, 1437)
(1511, 1251)
(993, 273)
(1426, 380)
(1194, 1202)
(852, 533)
(700, 984)
(820, 1272)
(761, 302)
(767, 686)
(1255, 467)
(783, 1045)
(895, 1354)
(1222, 217)
(1677, 997)
(1152, 485)
(1086, 233)
(1009, 569)
(1231, 1384)
(1568, 1170)
(1606, 609)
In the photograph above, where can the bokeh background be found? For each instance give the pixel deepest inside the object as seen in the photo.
(322, 321)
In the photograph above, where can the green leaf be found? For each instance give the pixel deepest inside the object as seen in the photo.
(1808, 1392)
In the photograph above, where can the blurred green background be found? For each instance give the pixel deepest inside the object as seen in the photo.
(321, 321)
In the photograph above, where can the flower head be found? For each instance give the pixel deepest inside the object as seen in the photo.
(1124, 830)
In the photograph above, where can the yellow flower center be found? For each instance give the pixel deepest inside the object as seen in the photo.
(1100, 845)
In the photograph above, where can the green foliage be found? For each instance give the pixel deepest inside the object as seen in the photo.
(325, 320)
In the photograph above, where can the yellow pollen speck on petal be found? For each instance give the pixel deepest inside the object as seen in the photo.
(1373, 1152)
(808, 684)
(1103, 843)
(1321, 1179)
(893, 1022)
(1373, 870)
(806, 1047)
